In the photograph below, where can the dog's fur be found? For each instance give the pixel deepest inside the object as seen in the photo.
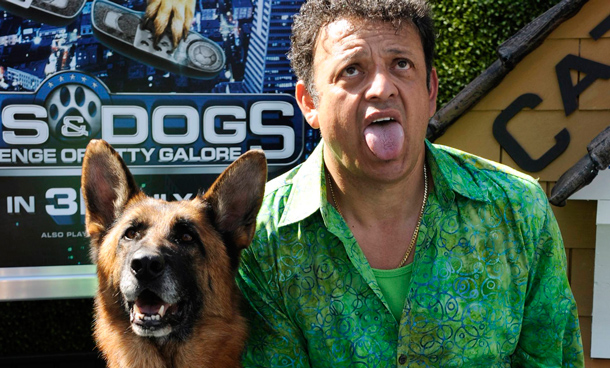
(180, 256)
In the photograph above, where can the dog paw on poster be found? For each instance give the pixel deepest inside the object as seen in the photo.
(160, 37)
(172, 17)
(120, 29)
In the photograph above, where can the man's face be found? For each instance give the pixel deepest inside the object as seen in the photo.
(373, 102)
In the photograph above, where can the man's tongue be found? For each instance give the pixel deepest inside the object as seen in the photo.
(385, 140)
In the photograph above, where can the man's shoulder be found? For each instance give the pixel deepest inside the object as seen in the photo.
(277, 191)
(282, 182)
(497, 179)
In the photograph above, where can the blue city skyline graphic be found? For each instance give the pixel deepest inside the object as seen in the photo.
(254, 36)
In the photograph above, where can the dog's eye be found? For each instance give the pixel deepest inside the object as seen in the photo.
(131, 233)
(184, 233)
(185, 238)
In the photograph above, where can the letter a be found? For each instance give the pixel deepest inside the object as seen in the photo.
(570, 92)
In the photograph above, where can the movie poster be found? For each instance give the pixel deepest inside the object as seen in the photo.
(75, 70)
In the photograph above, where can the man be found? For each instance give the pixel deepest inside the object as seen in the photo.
(384, 250)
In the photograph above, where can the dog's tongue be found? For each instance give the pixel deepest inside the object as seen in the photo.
(144, 308)
(385, 140)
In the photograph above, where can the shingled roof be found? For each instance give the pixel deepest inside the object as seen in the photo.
(510, 53)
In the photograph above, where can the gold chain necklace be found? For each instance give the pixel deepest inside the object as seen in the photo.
(421, 213)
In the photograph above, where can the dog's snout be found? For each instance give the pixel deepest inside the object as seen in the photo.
(147, 265)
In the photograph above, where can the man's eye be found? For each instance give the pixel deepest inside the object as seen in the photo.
(403, 64)
(350, 71)
(131, 233)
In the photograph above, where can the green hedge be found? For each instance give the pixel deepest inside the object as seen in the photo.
(469, 32)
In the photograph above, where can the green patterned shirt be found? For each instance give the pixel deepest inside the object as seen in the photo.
(488, 288)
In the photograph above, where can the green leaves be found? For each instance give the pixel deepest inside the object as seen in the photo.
(470, 31)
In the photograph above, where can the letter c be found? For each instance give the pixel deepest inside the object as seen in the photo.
(514, 149)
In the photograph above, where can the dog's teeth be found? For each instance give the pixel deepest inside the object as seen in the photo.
(162, 311)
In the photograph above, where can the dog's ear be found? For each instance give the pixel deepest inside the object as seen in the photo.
(107, 186)
(236, 196)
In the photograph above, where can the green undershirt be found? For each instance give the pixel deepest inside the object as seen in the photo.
(394, 285)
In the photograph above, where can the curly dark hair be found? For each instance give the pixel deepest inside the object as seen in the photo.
(317, 14)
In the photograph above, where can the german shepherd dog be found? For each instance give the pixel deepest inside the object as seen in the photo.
(166, 295)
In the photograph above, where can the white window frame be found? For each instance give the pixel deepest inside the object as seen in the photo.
(599, 190)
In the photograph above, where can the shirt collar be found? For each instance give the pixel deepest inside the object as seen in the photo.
(308, 192)
(449, 172)
(455, 171)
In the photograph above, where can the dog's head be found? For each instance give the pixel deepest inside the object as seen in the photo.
(164, 266)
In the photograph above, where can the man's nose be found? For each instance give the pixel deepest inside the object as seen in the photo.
(381, 86)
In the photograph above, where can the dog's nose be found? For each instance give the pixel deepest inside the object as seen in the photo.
(147, 265)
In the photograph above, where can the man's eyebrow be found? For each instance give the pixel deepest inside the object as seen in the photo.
(399, 51)
(354, 54)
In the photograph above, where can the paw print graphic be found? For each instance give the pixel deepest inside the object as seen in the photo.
(74, 113)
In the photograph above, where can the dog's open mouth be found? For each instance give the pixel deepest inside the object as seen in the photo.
(151, 316)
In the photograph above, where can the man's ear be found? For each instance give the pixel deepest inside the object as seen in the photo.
(236, 197)
(107, 186)
(305, 101)
(432, 91)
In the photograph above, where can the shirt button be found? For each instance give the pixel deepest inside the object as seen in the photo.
(402, 359)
